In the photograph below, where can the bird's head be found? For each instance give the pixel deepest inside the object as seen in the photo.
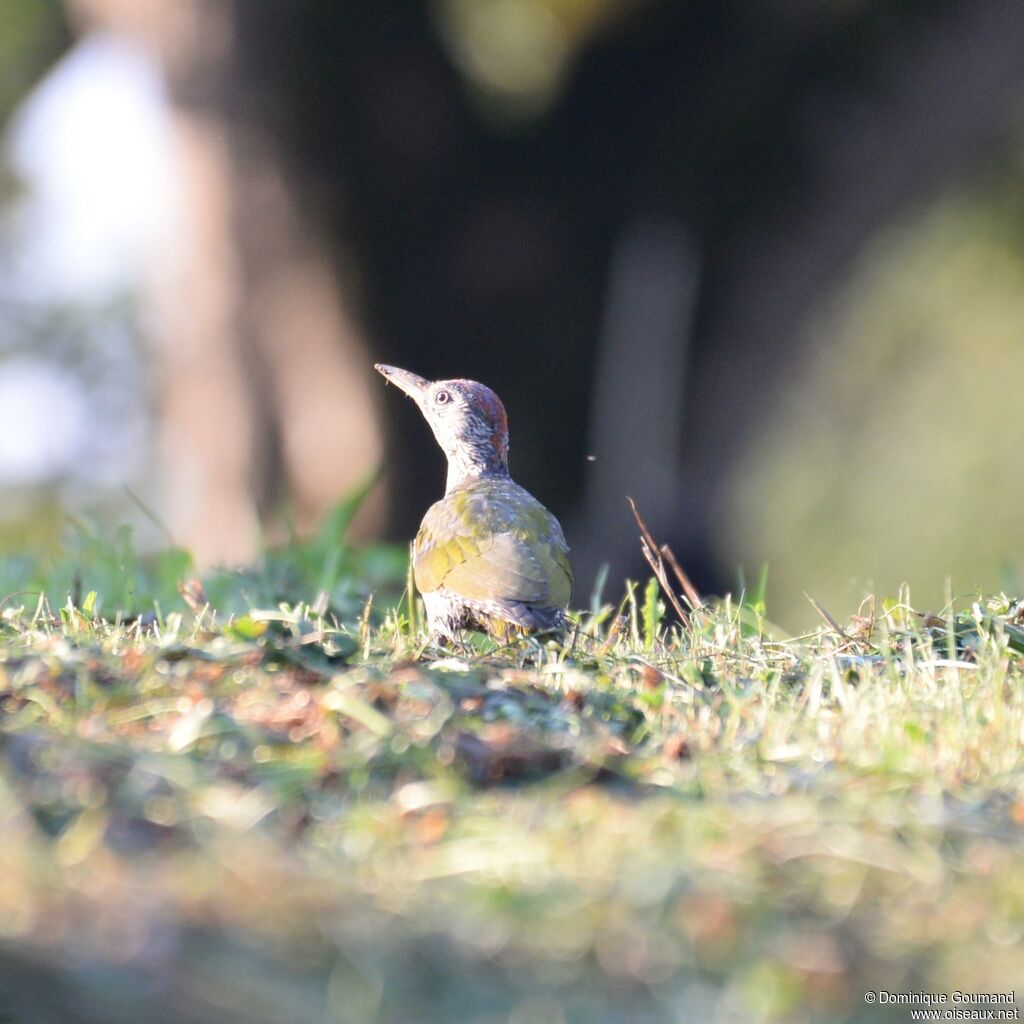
(467, 418)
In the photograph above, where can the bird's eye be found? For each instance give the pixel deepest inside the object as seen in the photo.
(442, 398)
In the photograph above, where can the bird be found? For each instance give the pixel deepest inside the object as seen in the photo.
(488, 556)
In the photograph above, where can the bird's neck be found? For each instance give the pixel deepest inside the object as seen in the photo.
(467, 464)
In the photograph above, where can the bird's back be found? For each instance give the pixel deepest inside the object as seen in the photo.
(488, 552)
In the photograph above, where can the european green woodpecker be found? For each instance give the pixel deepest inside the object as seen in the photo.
(488, 555)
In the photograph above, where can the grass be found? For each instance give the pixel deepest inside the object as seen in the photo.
(230, 810)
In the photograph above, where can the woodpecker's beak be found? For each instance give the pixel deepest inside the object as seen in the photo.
(413, 386)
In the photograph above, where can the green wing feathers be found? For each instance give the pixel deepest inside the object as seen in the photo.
(492, 541)
(561, 577)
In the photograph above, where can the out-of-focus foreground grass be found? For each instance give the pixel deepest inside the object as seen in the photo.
(237, 806)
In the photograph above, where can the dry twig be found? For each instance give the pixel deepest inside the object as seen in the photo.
(656, 556)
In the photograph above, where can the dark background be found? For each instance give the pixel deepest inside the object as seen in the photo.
(760, 260)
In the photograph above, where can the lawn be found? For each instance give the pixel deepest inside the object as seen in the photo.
(272, 799)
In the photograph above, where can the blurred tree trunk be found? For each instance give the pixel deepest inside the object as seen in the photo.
(264, 400)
